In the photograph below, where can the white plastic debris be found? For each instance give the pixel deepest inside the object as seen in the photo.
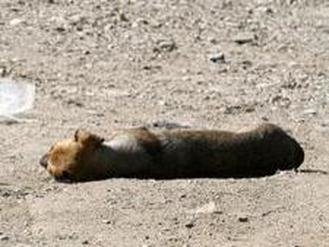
(15, 97)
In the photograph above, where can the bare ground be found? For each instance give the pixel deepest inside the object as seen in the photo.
(223, 64)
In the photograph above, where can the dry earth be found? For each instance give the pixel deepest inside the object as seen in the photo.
(110, 64)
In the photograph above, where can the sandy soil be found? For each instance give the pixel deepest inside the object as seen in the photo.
(110, 64)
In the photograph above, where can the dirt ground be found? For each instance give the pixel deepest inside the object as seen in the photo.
(108, 64)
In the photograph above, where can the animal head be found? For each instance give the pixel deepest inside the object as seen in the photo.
(73, 159)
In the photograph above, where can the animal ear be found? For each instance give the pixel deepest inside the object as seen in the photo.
(87, 139)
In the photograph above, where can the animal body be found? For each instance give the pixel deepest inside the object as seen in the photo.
(174, 153)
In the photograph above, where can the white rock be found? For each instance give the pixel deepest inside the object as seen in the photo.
(205, 209)
(15, 22)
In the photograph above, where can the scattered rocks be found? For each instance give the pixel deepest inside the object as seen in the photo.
(237, 109)
(281, 101)
(5, 194)
(71, 53)
(74, 102)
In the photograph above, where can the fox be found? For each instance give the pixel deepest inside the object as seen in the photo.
(173, 154)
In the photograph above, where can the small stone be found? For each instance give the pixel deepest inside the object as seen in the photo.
(325, 123)
(243, 219)
(74, 102)
(189, 225)
(163, 103)
(4, 238)
(217, 57)
(76, 19)
(123, 17)
(86, 242)
(213, 40)
(268, 11)
(107, 222)
(242, 39)
(206, 208)
(246, 64)
(165, 46)
(60, 29)
(309, 112)
(15, 22)
(6, 194)
(3, 71)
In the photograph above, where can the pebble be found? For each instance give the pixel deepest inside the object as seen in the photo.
(217, 57)
(309, 112)
(107, 222)
(325, 123)
(3, 71)
(189, 225)
(242, 39)
(86, 242)
(4, 238)
(206, 208)
(15, 22)
(165, 46)
(76, 19)
(243, 219)
(5, 194)
(60, 29)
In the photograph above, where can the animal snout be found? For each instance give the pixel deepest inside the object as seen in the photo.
(44, 160)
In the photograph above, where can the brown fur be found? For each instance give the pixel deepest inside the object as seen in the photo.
(179, 153)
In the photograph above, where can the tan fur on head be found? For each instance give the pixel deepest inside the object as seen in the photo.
(87, 139)
(178, 153)
(67, 159)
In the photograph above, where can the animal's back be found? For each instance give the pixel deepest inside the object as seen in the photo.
(211, 153)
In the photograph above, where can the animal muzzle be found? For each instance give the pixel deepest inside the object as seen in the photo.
(44, 161)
